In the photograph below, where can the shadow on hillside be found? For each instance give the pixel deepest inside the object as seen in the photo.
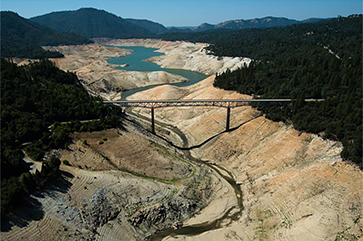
(210, 138)
(32, 209)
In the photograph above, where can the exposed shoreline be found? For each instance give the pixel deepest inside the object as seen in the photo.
(289, 187)
(185, 55)
(295, 186)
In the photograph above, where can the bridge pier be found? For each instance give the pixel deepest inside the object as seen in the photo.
(203, 103)
(152, 120)
(228, 114)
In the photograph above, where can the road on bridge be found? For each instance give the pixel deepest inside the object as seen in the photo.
(225, 103)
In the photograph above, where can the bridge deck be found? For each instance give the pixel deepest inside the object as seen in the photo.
(152, 104)
(208, 102)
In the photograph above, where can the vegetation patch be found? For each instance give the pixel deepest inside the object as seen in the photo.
(66, 162)
(312, 60)
(14, 189)
(41, 105)
(23, 38)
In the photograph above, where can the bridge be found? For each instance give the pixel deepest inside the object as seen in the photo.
(228, 104)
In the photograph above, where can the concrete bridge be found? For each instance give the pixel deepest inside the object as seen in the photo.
(228, 104)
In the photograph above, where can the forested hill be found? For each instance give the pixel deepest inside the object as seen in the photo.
(34, 97)
(312, 60)
(153, 27)
(322, 60)
(266, 22)
(23, 38)
(91, 23)
(275, 42)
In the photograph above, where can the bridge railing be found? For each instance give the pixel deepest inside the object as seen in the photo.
(208, 102)
(153, 104)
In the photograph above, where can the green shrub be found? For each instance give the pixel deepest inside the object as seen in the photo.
(66, 162)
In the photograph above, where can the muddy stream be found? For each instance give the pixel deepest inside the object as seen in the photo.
(230, 215)
(135, 61)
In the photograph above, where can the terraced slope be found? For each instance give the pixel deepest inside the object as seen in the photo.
(112, 204)
(295, 185)
(124, 151)
(103, 79)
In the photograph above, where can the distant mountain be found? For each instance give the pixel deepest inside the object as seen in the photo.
(257, 23)
(153, 27)
(314, 20)
(23, 38)
(204, 27)
(180, 27)
(179, 30)
(92, 23)
(254, 23)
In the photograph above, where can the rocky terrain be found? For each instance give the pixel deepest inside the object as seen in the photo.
(184, 55)
(103, 79)
(295, 185)
(101, 199)
(263, 180)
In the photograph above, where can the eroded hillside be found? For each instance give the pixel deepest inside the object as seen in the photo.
(127, 188)
(99, 77)
(295, 185)
(290, 185)
(185, 55)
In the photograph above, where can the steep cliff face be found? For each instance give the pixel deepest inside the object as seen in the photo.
(295, 185)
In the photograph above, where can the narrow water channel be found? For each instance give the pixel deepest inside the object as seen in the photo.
(197, 229)
(136, 62)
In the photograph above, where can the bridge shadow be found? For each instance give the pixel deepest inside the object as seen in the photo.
(207, 140)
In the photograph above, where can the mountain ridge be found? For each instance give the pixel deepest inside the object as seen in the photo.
(23, 38)
(154, 27)
(265, 22)
(95, 23)
(91, 23)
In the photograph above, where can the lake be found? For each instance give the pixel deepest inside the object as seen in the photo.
(136, 63)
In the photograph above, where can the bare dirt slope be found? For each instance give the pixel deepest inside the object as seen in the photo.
(101, 78)
(295, 185)
(185, 55)
(159, 190)
(92, 205)
(124, 150)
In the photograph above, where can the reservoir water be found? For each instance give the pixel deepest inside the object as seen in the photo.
(136, 62)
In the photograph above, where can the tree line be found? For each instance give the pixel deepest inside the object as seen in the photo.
(33, 98)
(23, 38)
(313, 60)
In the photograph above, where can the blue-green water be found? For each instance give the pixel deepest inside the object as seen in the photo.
(136, 62)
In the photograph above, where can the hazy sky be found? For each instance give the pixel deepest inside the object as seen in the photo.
(193, 12)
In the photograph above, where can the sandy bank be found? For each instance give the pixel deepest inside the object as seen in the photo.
(185, 55)
(96, 203)
(99, 77)
(295, 185)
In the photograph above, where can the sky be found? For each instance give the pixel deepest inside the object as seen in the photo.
(192, 12)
